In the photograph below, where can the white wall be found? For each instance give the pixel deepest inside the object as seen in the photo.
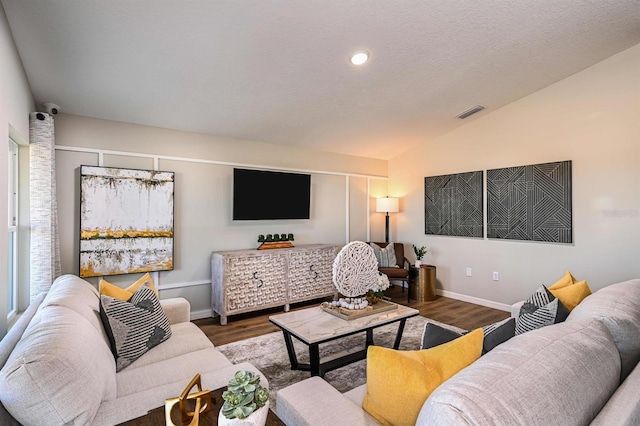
(16, 102)
(591, 118)
(203, 193)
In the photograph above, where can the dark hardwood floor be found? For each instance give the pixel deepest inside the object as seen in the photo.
(449, 311)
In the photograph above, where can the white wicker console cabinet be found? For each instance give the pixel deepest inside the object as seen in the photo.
(250, 280)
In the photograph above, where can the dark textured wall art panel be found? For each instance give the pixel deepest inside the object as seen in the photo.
(453, 205)
(531, 203)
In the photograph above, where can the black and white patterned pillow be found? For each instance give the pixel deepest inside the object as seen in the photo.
(539, 310)
(134, 326)
(386, 256)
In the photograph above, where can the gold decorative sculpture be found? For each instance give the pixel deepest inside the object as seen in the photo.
(200, 401)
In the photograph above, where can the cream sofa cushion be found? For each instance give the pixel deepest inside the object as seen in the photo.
(59, 372)
(314, 402)
(128, 407)
(182, 367)
(186, 337)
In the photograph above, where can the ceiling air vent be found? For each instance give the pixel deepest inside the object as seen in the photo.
(470, 111)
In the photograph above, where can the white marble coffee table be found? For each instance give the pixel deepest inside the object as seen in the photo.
(313, 326)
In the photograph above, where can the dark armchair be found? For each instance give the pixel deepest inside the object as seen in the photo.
(401, 273)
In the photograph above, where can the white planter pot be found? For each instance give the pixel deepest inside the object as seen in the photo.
(257, 418)
(418, 263)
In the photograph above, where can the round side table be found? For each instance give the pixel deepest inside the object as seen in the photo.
(423, 279)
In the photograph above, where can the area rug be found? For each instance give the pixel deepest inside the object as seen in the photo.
(268, 354)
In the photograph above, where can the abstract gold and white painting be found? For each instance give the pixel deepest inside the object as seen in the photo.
(126, 221)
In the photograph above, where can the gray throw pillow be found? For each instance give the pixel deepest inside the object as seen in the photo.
(386, 256)
(494, 334)
(498, 333)
(134, 326)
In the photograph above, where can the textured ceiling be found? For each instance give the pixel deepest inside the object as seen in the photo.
(277, 71)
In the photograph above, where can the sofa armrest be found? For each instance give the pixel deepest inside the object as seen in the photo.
(177, 309)
(515, 309)
(315, 402)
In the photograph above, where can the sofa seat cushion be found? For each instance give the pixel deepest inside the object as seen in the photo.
(162, 372)
(154, 394)
(186, 337)
(314, 402)
(357, 394)
(59, 372)
(618, 305)
(561, 374)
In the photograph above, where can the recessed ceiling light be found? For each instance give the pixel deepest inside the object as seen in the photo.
(359, 57)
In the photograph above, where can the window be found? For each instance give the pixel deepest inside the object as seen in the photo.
(12, 299)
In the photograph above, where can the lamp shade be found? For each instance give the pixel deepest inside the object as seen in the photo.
(387, 205)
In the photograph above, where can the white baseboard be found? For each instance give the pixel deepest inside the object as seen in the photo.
(205, 313)
(208, 313)
(475, 300)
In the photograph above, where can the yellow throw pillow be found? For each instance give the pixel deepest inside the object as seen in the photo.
(399, 382)
(572, 295)
(125, 294)
(565, 281)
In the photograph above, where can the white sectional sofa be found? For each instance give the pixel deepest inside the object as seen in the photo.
(582, 371)
(57, 366)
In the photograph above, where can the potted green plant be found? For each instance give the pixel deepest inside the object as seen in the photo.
(245, 401)
(420, 252)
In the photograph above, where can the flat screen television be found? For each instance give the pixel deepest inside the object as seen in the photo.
(265, 195)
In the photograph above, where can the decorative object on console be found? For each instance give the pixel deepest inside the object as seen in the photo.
(453, 205)
(387, 205)
(420, 252)
(200, 400)
(275, 241)
(531, 203)
(126, 221)
(245, 401)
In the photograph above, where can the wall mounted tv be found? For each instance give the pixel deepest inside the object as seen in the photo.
(264, 195)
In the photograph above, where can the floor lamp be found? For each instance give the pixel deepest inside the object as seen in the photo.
(387, 205)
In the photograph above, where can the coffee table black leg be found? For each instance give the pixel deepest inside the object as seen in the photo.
(314, 360)
(396, 344)
(369, 341)
(290, 350)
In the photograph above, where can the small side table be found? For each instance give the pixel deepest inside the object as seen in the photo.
(423, 280)
(156, 416)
